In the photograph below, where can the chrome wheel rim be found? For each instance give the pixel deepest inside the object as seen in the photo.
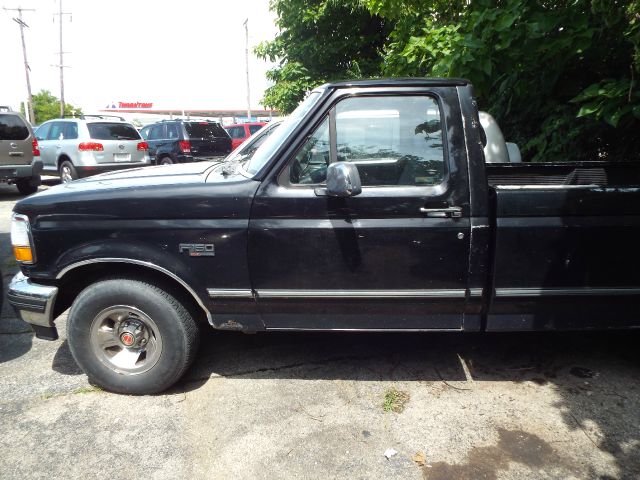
(126, 340)
(166, 161)
(65, 174)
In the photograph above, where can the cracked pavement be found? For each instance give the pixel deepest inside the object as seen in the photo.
(517, 406)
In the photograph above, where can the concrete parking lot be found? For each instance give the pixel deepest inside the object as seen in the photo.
(442, 406)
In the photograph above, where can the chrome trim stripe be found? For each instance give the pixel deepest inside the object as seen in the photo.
(293, 329)
(555, 292)
(229, 292)
(547, 187)
(475, 292)
(143, 264)
(439, 293)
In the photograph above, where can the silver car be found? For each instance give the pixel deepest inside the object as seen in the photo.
(79, 147)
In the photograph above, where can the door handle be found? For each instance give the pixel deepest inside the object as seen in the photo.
(453, 212)
(16, 154)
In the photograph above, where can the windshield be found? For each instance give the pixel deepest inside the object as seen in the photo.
(271, 144)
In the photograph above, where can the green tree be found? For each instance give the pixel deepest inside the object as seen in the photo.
(46, 106)
(558, 75)
(561, 76)
(320, 41)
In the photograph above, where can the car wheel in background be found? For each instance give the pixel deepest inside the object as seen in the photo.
(166, 161)
(26, 186)
(68, 172)
(130, 336)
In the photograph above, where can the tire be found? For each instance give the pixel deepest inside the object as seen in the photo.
(111, 314)
(25, 186)
(166, 161)
(67, 172)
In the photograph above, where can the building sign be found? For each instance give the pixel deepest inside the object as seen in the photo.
(113, 105)
(134, 105)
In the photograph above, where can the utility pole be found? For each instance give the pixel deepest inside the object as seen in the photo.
(246, 55)
(62, 65)
(22, 25)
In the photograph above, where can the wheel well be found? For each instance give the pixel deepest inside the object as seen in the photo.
(62, 158)
(76, 280)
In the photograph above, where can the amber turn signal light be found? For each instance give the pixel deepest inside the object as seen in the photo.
(23, 254)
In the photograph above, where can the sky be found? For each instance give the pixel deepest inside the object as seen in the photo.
(187, 54)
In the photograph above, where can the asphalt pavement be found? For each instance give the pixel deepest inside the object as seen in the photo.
(281, 406)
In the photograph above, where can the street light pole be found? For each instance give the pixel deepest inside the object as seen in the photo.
(61, 68)
(61, 65)
(246, 55)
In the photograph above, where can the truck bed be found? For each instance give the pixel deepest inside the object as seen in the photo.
(565, 246)
(603, 174)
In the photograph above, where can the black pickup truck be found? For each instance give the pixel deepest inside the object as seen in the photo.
(370, 208)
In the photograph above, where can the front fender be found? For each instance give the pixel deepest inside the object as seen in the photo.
(64, 246)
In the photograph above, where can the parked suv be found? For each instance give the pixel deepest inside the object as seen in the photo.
(239, 132)
(181, 141)
(90, 144)
(20, 161)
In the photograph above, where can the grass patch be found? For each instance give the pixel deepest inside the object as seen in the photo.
(77, 391)
(89, 389)
(394, 400)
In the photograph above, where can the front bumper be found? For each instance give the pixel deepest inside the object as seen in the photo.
(33, 303)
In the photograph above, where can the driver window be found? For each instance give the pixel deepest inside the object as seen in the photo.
(310, 163)
(393, 140)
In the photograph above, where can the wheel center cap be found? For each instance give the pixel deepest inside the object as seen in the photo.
(127, 339)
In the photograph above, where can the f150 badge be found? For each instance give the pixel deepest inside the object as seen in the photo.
(197, 249)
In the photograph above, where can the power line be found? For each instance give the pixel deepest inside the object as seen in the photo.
(27, 69)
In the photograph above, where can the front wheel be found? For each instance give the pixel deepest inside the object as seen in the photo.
(130, 336)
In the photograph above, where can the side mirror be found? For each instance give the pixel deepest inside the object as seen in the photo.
(343, 180)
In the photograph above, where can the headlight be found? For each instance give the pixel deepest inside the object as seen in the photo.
(21, 239)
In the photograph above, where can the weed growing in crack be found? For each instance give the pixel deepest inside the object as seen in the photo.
(394, 400)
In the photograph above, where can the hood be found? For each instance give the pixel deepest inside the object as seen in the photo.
(140, 177)
(192, 190)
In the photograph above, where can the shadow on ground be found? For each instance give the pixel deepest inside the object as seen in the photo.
(594, 374)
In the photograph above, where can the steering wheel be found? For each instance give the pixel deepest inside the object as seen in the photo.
(295, 172)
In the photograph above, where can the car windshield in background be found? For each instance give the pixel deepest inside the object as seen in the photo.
(12, 128)
(248, 148)
(112, 131)
(264, 151)
(205, 130)
(254, 128)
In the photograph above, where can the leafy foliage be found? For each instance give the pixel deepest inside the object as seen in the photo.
(555, 73)
(46, 106)
(560, 76)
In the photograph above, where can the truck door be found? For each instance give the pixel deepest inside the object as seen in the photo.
(394, 257)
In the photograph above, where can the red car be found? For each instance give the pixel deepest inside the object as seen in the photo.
(239, 132)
